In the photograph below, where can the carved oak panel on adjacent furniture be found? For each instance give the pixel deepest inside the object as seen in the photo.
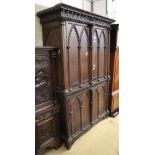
(47, 123)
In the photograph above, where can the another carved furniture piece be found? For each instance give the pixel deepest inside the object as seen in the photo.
(114, 71)
(47, 125)
(82, 66)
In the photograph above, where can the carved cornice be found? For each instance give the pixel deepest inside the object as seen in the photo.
(65, 12)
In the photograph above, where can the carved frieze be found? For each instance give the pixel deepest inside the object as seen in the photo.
(63, 11)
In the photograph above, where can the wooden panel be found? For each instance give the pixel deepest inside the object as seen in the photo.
(42, 76)
(73, 66)
(102, 105)
(75, 115)
(46, 108)
(84, 57)
(95, 104)
(116, 71)
(99, 103)
(44, 131)
(101, 55)
(95, 55)
(85, 109)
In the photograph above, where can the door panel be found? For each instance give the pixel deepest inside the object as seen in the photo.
(86, 109)
(76, 116)
(95, 55)
(73, 58)
(84, 57)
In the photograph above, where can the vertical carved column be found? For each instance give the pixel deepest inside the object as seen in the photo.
(105, 62)
(91, 53)
(79, 65)
(81, 114)
(91, 106)
(98, 49)
(98, 99)
(68, 66)
(71, 118)
(64, 52)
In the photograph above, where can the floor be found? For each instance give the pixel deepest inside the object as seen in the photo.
(102, 139)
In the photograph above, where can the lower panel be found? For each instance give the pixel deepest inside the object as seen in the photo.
(80, 111)
(47, 130)
(99, 102)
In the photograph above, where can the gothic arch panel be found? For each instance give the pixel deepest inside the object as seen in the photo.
(73, 66)
(85, 110)
(84, 57)
(101, 55)
(76, 116)
(101, 100)
(95, 104)
(95, 55)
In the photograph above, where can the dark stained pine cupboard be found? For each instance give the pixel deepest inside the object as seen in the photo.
(81, 68)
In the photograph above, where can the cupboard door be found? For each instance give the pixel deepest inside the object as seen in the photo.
(95, 103)
(102, 104)
(80, 113)
(84, 56)
(95, 55)
(99, 105)
(101, 55)
(77, 54)
(85, 110)
(75, 116)
(73, 68)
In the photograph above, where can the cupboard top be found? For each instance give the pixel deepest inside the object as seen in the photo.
(62, 11)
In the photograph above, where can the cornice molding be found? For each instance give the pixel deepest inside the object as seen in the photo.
(65, 12)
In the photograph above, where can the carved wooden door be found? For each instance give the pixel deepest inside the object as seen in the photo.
(79, 113)
(99, 104)
(99, 53)
(77, 55)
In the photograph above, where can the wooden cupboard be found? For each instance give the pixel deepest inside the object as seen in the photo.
(47, 122)
(114, 71)
(81, 66)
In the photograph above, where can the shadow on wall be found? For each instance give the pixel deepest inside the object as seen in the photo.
(38, 28)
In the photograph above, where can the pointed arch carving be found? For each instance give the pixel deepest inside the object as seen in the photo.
(84, 29)
(84, 56)
(73, 58)
(102, 32)
(75, 115)
(97, 36)
(85, 109)
(102, 54)
(76, 98)
(73, 27)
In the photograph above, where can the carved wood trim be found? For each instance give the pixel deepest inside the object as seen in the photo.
(74, 14)
(98, 95)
